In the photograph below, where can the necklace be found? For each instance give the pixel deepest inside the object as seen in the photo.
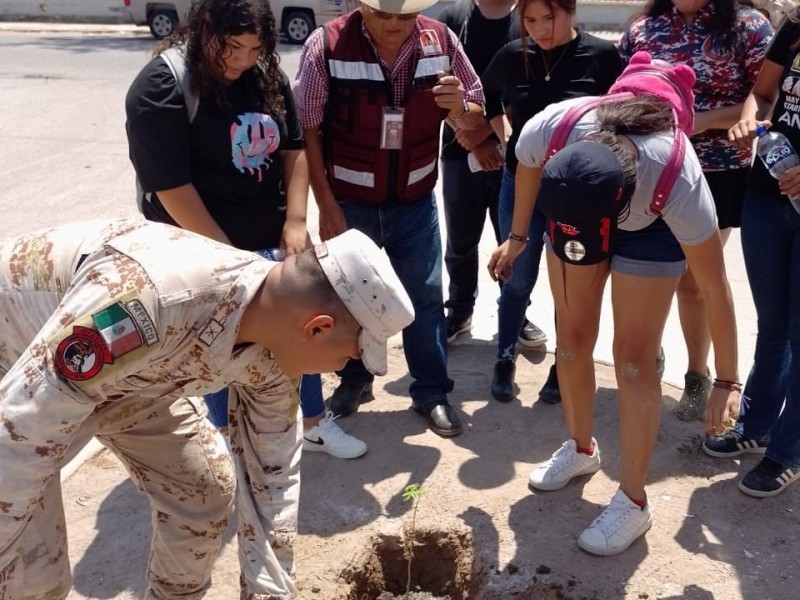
(547, 68)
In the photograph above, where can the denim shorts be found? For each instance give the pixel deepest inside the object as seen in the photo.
(649, 252)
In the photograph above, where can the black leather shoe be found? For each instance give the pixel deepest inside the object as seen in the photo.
(503, 380)
(442, 418)
(550, 392)
(347, 397)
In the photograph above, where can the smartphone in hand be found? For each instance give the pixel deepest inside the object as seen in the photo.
(429, 81)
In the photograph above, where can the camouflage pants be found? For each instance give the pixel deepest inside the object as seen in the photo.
(190, 498)
(266, 442)
(190, 495)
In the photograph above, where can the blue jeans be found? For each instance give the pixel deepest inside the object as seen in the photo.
(516, 292)
(311, 403)
(771, 247)
(410, 235)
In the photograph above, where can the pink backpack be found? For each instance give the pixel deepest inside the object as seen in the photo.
(643, 76)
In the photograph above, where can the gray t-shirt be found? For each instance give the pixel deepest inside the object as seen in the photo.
(689, 211)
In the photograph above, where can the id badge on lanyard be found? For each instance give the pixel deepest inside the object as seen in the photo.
(392, 128)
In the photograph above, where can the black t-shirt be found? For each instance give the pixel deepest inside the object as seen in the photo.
(586, 66)
(481, 38)
(231, 155)
(786, 115)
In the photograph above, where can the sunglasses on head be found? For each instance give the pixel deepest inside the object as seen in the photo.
(385, 16)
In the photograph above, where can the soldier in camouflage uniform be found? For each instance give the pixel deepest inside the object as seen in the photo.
(110, 329)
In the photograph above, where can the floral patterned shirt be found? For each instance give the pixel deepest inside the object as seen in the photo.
(726, 67)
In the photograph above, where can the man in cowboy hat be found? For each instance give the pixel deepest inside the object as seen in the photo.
(373, 89)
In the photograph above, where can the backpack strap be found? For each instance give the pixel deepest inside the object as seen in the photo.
(559, 138)
(670, 173)
(175, 58)
(671, 170)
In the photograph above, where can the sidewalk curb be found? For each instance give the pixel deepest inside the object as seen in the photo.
(69, 27)
(88, 452)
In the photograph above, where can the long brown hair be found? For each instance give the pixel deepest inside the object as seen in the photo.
(215, 20)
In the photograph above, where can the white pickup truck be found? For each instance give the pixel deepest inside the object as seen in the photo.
(296, 19)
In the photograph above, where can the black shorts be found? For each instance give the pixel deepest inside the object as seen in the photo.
(727, 189)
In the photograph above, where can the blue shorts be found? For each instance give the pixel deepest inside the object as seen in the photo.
(649, 252)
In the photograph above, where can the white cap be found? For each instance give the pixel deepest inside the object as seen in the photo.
(364, 279)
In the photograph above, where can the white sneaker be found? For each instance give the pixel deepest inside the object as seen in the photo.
(617, 527)
(327, 436)
(565, 464)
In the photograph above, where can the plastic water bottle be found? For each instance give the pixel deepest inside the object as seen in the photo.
(777, 154)
(273, 254)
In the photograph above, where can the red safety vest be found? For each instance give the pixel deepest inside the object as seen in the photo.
(360, 88)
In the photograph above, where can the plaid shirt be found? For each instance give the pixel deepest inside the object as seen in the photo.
(311, 86)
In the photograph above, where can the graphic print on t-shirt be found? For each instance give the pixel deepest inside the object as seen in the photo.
(791, 85)
(254, 138)
(788, 111)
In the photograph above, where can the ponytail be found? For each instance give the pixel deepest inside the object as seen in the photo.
(641, 115)
(637, 116)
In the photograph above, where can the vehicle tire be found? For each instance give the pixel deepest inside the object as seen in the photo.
(297, 26)
(162, 22)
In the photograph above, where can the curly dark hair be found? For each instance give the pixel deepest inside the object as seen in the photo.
(723, 21)
(214, 20)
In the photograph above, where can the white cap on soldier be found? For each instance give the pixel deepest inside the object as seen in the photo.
(365, 280)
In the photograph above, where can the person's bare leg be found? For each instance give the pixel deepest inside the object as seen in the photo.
(577, 295)
(641, 306)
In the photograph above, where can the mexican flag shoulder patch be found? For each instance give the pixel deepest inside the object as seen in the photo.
(117, 329)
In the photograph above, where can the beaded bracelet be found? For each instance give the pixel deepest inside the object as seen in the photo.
(519, 238)
(733, 386)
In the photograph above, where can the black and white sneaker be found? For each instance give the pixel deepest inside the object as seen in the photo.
(733, 443)
(768, 478)
(456, 326)
(531, 336)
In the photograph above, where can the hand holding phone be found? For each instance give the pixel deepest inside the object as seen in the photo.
(449, 92)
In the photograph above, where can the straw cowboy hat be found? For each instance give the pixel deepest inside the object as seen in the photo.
(399, 7)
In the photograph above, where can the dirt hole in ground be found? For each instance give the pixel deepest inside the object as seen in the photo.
(442, 567)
